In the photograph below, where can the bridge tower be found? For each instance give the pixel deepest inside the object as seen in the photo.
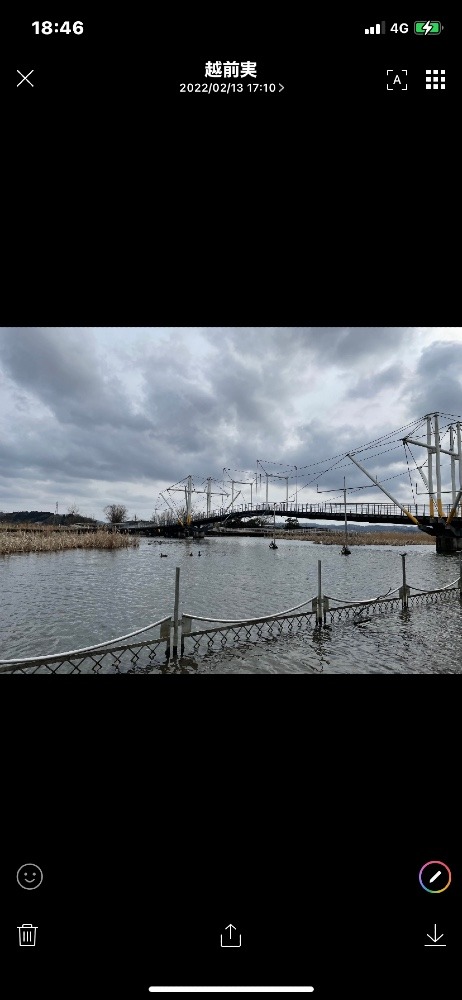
(447, 530)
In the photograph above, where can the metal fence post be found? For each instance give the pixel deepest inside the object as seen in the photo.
(165, 633)
(319, 607)
(175, 611)
(404, 591)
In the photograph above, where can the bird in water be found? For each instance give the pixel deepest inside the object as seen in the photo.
(198, 553)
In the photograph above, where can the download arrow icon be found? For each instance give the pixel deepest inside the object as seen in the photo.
(435, 938)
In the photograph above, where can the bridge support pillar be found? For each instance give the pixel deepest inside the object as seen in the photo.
(448, 544)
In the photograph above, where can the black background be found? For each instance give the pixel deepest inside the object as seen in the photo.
(301, 816)
(159, 818)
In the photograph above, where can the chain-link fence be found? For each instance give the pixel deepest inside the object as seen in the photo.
(112, 657)
(252, 630)
(176, 638)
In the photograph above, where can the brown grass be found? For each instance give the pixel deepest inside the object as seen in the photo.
(372, 538)
(359, 538)
(50, 539)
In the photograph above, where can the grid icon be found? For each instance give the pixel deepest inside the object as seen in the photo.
(435, 79)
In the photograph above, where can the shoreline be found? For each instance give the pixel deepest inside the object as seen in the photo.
(375, 538)
(327, 537)
(49, 539)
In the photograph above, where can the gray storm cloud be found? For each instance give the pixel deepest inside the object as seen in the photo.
(88, 413)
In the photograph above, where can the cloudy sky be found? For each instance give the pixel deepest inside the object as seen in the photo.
(95, 416)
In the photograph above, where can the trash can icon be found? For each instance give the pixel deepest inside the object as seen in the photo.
(27, 935)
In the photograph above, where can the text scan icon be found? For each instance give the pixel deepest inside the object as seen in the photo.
(396, 79)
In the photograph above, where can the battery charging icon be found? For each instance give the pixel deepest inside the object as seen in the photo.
(427, 27)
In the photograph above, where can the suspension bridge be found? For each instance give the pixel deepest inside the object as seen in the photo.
(438, 437)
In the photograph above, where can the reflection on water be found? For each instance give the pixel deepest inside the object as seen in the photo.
(64, 600)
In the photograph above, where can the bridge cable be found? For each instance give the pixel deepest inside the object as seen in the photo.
(409, 472)
(385, 437)
(352, 489)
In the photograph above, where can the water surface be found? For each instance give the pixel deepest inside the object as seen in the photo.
(66, 600)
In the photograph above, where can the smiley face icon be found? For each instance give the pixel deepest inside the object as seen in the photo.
(29, 876)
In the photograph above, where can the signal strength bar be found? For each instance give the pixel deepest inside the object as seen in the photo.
(375, 29)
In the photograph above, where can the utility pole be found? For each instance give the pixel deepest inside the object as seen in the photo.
(459, 449)
(188, 491)
(188, 511)
(239, 482)
(453, 464)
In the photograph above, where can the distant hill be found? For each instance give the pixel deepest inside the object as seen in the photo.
(43, 517)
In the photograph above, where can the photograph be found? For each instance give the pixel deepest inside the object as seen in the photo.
(230, 500)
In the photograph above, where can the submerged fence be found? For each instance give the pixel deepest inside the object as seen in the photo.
(176, 640)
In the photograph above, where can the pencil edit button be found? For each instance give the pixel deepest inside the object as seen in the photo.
(29, 876)
(435, 876)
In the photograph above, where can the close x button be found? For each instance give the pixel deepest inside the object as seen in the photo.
(25, 77)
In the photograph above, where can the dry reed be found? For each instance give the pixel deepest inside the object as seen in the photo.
(401, 538)
(49, 539)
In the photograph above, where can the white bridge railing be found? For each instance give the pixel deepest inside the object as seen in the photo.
(354, 509)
